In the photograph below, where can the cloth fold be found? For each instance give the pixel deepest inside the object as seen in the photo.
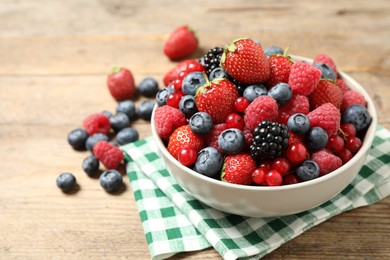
(173, 221)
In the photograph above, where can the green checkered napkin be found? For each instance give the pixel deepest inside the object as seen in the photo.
(174, 221)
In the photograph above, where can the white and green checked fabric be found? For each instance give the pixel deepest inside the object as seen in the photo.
(174, 221)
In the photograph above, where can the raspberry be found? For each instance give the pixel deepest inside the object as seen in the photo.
(303, 78)
(167, 119)
(110, 155)
(262, 108)
(183, 137)
(97, 123)
(326, 116)
(326, 92)
(342, 85)
(297, 104)
(326, 161)
(352, 97)
(323, 58)
(211, 138)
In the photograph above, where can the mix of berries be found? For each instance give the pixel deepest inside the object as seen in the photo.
(250, 116)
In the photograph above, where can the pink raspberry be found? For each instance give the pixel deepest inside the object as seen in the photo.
(323, 58)
(110, 155)
(297, 104)
(212, 137)
(248, 137)
(342, 85)
(262, 108)
(303, 78)
(326, 161)
(97, 123)
(352, 97)
(326, 116)
(167, 119)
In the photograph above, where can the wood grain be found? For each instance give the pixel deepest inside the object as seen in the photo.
(54, 59)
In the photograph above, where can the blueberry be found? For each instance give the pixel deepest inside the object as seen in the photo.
(111, 181)
(316, 138)
(107, 113)
(127, 135)
(357, 115)
(281, 92)
(209, 162)
(201, 123)
(127, 107)
(218, 73)
(77, 138)
(119, 121)
(251, 92)
(66, 182)
(273, 50)
(298, 123)
(148, 87)
(94, 139)
(231, 141)
(145, 109)
(162, 95)
(308, 170)
(187, 105)
(91, 165)
(192, 81)
(326, 71)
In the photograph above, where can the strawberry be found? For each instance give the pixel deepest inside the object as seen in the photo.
(280, 67)
(185, 66)
(245, 61)
(238, 169)
(217, 99)
(183, 137)
(181, 43)
(326, 92)
(121, 84)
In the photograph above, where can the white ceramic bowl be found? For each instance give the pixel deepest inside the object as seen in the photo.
(264, 201)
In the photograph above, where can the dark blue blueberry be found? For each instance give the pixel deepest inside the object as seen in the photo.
(162, 95)
(326, 71)
(127, 135)
(187, 105)
(218, 73)
(119, 121)
(357, 115)
(192, 81)
(66, 182)
(94, 139)
(273, 50)
(127, 107)
(251, 92)
(145, 109)
(201, 123)
(148, 87)
(316, 138)
(91, 165)
(111, 181)
(107, 113)
(308, 170)
(298, 123)
(281, 92)
(231, 141)
(209, 162)
(77, 138)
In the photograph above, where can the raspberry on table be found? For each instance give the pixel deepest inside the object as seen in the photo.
(97, 123)
(110, 155)
(167, 119)
(326, 161)
(326, 116)
(303, 78)
(262, 108)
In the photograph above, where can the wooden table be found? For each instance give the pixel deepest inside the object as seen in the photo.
(54, 59)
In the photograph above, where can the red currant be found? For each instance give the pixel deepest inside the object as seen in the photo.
(347, 130)
(177, 83)
(296, 153)
(194, 66)
(182, 75)
(241, 104)
(345, 155)
(273, 178)
(258, 176)
(335, 144)
(290, 179)
(235, 121)
(173, 100)
(187, 156)
(281, 164)
(353, 144)
(265, 165)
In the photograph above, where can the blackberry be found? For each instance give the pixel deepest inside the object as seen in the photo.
(269, 141)
(211, 59)
(239, 86)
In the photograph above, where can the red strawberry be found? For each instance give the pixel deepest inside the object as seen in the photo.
(110, 155)
(121, 84)
(167, 119)
(323, 58)
(181, 43)
(326, 116)
(217, 98)
(262, 108)
(245, 61)
(326, 92)
(183, 137)
(303, 78)
(238, 169)
(280, 66)
(186, 66)
(352, 97)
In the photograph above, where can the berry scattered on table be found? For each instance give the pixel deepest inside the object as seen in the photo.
(91, 165)
(127, 107)
(148, 87)
(181, 43)
(66, 182)
(94, 139)
(121, 84)
(111, 181)
(77, 138)
(127, 135)
(145, 109)
(119, 121)
(110, 155)
(97, 123)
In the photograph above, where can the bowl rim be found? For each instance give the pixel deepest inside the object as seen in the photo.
(367, 142)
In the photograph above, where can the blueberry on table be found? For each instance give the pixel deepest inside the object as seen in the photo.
(145, 109)
(201, 123)
(77, 138)
(251, 92)
(111, 181)
(127, 135)
(127, 107)
(298, 123)
(231, 140)
(308, 170)
(107, 113)
(192, 81)
(119, 121)
(209, 162)
(316, 138)
(94, 139)
(357, 115)
(66, 182)
(281, 92)
(148, 87)
(91, 165)
(187, 105)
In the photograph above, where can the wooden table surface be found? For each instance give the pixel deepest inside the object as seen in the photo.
(54, 60)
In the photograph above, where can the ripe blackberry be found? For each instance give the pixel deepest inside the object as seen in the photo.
(269, 140)
(240, 86)
(211, 59)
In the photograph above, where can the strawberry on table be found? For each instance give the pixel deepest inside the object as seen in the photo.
(181, 43)
(121, 84)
